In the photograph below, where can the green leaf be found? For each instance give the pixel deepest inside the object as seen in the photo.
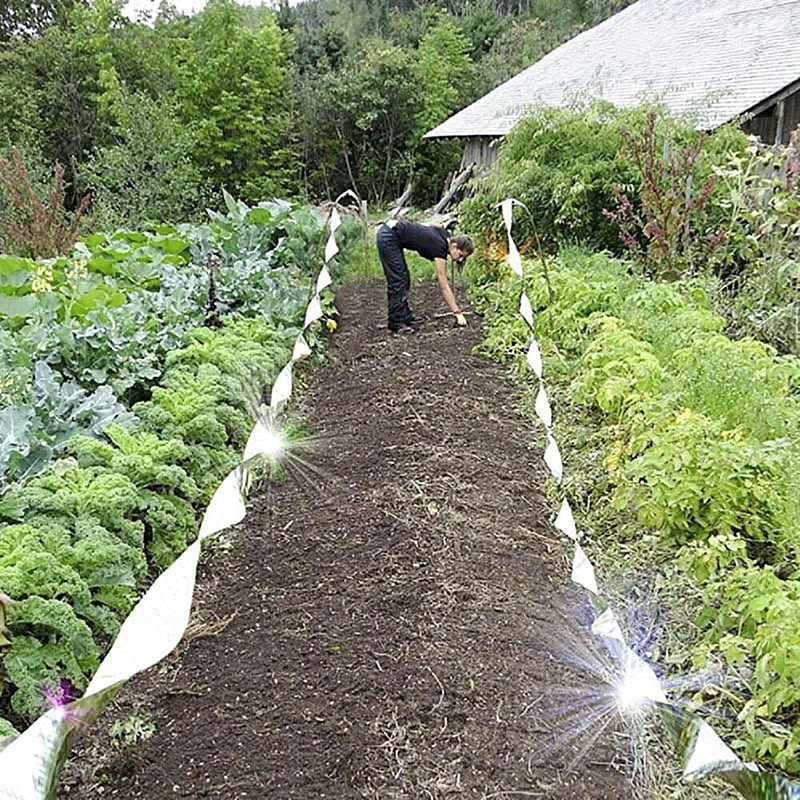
(102, 295)
(102, 263)
(94, 239)
(15, 425)
(14, 281)
(174, 245)
(12, 507)
(11, 264)
(5, 604)
(17, 306)
(258, 215)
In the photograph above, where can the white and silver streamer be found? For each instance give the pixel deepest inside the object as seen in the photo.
(30, 764)
(701, 749)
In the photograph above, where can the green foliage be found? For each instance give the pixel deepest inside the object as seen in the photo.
(742, 383)
(569, 166)
(147, 174)
(563, 166)
(443, 66)
(617, 369)
(519, 46)
(758, 206)
(50, 643)
(166, 491)
(698, 436)
(26, 18)
(7, 730)
(442, 72)
(74, 493)
(373, 100)
(234, 93)
(38, 430)
(754, 617)
(86, 332)
(247, 125)
(690, 478)
(125, 501)
(131, 731)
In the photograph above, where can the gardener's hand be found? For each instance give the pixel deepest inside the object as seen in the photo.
(461, 320)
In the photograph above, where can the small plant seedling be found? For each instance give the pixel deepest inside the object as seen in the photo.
(127, 733)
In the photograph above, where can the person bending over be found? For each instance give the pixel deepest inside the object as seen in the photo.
(431, 242)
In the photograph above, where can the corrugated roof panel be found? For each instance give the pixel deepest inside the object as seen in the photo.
(713, 58)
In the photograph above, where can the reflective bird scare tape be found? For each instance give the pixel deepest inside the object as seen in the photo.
(702, 750)
(30, 764)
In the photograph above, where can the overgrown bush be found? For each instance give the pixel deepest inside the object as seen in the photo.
(147, 175)
(563, 166)
(569, 167)
(758, 263)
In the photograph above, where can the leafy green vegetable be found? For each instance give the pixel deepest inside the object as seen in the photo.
(49, 643)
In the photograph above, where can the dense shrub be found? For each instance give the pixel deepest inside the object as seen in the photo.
(570, 166)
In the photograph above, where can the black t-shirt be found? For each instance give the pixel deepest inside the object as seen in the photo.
(430, 241)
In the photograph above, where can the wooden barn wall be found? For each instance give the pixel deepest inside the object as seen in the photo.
(765, 124)
(481, 150)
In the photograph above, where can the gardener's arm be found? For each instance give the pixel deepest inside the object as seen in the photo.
(444, 285)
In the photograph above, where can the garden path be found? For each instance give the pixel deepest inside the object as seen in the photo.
(394, 621)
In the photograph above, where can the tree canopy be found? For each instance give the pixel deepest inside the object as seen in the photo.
(153, 120)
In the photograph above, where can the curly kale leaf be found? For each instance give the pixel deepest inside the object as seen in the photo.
(7, 731)
(41, 573)
(72, 493)
(173, 525)
(103, 560)
(150, 461)
(49, 643)
(33, 562)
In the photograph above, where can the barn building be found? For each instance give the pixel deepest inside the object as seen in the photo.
(716, 59)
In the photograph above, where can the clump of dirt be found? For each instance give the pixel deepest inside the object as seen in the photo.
(395, 620)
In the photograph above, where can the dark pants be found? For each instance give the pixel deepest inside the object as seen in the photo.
(398, 280)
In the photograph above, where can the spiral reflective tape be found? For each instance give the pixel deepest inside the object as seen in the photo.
(552, 454)
(583, 571)
(30, 764)
(282, 388)
(301, 348)
(227, 507)
(702, 750)
(535, 358)
(565, 522)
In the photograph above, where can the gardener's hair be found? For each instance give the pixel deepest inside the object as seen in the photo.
(464, 243)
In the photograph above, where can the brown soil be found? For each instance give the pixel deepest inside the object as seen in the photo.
(394, 620)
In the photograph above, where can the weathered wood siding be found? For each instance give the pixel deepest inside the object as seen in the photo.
(481, 150)
(765, 123)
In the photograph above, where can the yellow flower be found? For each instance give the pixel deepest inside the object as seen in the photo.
(331, 325)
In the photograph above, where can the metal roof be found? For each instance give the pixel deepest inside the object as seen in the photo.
(713, 58)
